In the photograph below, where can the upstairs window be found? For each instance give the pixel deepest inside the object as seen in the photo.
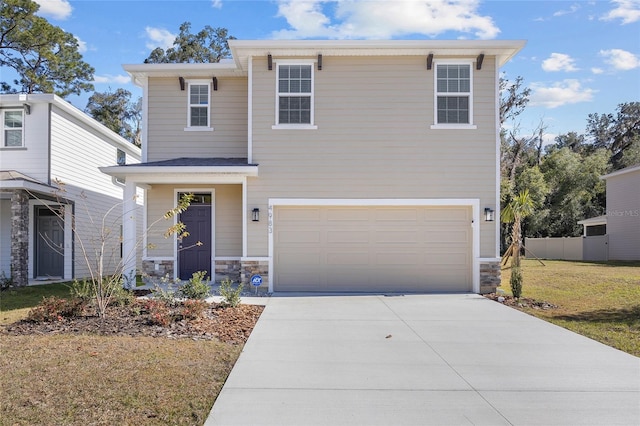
(121, 157)
(294, 107)
(12, 128)
(454, 97)
(199, 106)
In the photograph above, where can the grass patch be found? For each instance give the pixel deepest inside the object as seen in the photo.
(598, 300)
(15, 303)
(80, 380)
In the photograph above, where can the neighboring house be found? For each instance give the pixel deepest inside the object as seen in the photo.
(622, 221)
(50, 185)
(327, 165)
(614, 236)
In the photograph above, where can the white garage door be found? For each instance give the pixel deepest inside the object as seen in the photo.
(372, 249)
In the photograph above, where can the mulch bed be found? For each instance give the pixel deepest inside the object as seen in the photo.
(521, 303)
(227, 324)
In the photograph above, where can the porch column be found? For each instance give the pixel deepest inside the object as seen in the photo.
(129, 237)
(20, 237)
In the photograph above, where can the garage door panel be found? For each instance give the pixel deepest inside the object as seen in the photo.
(348, 258)
(348, 237)
(299, 214)
(408, 249)
(299, 237)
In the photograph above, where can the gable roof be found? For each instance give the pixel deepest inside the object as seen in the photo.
(624, 171)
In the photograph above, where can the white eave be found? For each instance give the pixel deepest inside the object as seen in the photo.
(182, 174)
(622, 172)
(593, 221)
(139, 72)
(503, 49)
(242, 50)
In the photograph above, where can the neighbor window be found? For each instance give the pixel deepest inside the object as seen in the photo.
(121, 157)
(12, 128)
(295, 95)
(453, 94)
(199, 105)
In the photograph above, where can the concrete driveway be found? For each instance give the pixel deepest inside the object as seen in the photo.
(422, 360)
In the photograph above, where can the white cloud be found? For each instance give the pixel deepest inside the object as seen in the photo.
(55, 9)
(216, 4)
(382, 19)
(572, 9)
(159, 37)
(626, 10)
(559, 62)
(597, 70)
(560, 93)
(620, 59)
(108, 78)
(82, 45)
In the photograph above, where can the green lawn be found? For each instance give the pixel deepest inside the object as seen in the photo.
(16, 303)
(597, 300)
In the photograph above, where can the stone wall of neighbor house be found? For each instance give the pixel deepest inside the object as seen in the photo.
(165, 267)
(253, 267)
(20, 237)
(228, 269)
(490, 277)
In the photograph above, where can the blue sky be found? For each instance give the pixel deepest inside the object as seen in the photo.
(581, 57)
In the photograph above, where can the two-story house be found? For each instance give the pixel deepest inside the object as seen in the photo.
(56, 207)
(357, 166)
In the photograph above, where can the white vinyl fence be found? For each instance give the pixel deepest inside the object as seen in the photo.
(569, 248)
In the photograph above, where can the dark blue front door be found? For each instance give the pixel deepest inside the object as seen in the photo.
(194, 250)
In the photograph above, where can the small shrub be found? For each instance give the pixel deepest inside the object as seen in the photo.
(516, 281)
(230, 296)
(169, 295)
(81, 290)
(193, 309)
(159, 312)
(197, 287)
(56, 309)
(121, 296)
(5, 282)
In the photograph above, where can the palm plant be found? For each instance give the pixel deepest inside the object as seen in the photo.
(515, 211)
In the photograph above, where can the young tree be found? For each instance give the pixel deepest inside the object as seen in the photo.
(116, 111)
(45, 57)
(516, 210)
(98, 241)
(207, 46)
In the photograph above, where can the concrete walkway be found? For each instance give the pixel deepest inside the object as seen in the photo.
(422, 360)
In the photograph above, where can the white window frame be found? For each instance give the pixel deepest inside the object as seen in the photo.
(306, 126)
(436, 95)
(3, 141)
(189, 127)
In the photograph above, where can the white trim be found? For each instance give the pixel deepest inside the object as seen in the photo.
(198, 129)
(621, 172)
(455, 126)
(158, 258)
(212, 191)
(497, 160)
(250, 112)
(196, 82)
(145, 119)
(489, 259)
(255, 258)
(223, 258)
(245, 235)
(295, 126)
(474, 203)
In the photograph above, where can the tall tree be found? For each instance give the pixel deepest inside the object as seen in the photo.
(620, 134)
(45, 57)
(208, 45)
(116, 111)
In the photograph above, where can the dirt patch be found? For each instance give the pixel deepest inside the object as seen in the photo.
(227, 324)
(521, 303)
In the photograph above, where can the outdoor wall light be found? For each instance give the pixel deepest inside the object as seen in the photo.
(27, 109)
(489, 214)
(255, 215)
